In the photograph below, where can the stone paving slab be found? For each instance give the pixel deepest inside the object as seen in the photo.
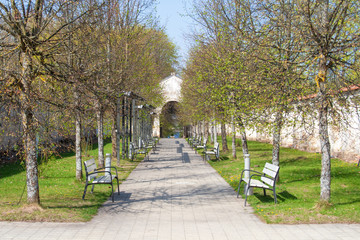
(175, 195)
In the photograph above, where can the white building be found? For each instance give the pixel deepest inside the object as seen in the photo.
(171, 88)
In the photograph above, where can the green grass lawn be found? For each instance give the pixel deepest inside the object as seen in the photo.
(60, 192)
(298, 191)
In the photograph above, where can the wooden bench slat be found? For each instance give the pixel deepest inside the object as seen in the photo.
(210, 152)
(272, 167)
(269, 172)
(257, 183)
(268, 181)
(90, 165)
(103, 179)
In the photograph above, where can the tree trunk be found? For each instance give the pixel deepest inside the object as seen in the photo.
(244, 144)
(78, 146)
(233, 146)
(215, 132)
(123, 130)
(223, 137)
(206, 130)
(212, 132)
(29, 136)
(325, 179)
(118, 132)
(114, 138)
(78, 158)
(99, 115)
(277, 138)
(30, 156)
(203, 130)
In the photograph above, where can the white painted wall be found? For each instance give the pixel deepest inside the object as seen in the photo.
(344, 135)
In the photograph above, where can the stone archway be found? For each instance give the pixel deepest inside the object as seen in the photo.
(171, 87)
(169, 121)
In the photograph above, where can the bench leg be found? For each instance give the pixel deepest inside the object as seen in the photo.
(92, 189)
(238, 191)
(264, 191)
(118, 186)
(112, 192)
(83, 197)
(246, 193)
(275, 200)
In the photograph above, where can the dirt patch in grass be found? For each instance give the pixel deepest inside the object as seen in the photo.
(31, 208)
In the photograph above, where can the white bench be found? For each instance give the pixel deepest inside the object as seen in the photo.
(215, 152)
(147, 145)
(152, 141)
(196, 142)
(135, 150)
(105, 177)
(266, 181)
(202, 146)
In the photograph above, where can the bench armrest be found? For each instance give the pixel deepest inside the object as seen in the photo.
(96, 172)
(248, 170)
(115, 171)
(103, 170)
(255, 175)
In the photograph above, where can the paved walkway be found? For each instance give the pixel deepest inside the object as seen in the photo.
(175, 195)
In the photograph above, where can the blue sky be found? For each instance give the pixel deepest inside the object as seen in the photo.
(172, 16)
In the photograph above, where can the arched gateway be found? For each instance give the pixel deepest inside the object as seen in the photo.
(171, 87)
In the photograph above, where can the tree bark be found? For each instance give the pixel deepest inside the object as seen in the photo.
(29, 130)
(78, 138)
(244, 144)
(206, 130)
(100, 117)
(277, 138)
(215, 132)
(223, 137)
(233, 146)
(118, 132)
(212, 132)
(114, 138)
(325, 179)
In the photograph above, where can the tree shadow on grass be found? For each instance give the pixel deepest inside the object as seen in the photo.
(347, 203)
(300, 161)
(11, 169)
